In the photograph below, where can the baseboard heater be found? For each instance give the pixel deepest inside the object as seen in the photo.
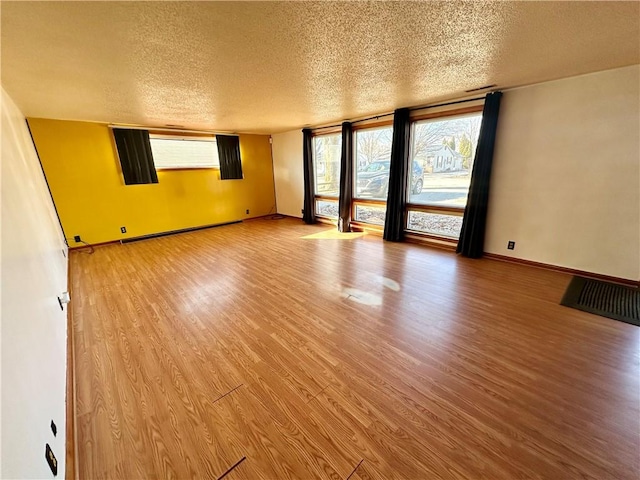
(173, 232)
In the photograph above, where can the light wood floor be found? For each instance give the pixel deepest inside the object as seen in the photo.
(341, 358)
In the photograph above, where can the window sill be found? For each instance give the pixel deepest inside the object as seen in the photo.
(328, 198)
(410, 236)
(174, 169)
(436, 209)
(326, 220)
(431, 240)
(367, 227)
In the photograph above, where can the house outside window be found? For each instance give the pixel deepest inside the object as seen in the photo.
(444, 148)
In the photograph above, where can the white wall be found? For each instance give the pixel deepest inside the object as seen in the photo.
(566, 175)
(33, 328)
(288, 172)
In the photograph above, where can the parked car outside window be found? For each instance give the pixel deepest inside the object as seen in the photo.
(373, 180)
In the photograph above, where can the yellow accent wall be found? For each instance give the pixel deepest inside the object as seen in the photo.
(83, 171)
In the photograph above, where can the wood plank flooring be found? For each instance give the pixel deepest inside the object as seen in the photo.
(314, 355)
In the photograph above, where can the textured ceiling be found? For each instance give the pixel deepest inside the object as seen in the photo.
(274, 66)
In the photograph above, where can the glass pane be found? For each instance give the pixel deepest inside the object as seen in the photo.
(326, 208)
(184, 153)
(442, 153)
(435, 223)
(326, 163)
(373, 155)
(370, 214)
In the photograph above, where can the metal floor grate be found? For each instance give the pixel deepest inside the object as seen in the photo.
(605, 299)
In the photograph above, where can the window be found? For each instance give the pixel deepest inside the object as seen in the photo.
(442, 225)
(372, 160)
(327, 208)
(327, 150)
(174, 152)
(442, 153)
(438, 175)
(374, 214)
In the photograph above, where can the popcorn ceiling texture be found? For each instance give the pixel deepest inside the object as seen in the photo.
(265, 67)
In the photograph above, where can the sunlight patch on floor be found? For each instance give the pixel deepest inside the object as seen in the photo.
(334, 234)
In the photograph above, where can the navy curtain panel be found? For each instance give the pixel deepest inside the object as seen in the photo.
(346, 179)
(229, 156)
(136, 159)
(309, 208)
(474, 223)
(397, 194)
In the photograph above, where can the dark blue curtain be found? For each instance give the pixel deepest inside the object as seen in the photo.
(229, 155)
(471, 243)
(397, 195)
(136, 159)
(346, 179)
(309, 209)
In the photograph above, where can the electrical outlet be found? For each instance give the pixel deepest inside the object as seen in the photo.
(77, 239)
(51, 459)
(123, 229)
(54, 429)
(511, 245)
(247, 211)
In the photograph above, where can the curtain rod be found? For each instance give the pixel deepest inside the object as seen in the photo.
(165, 129)
(419, 107)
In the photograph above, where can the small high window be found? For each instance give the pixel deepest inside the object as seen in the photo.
(176, 152)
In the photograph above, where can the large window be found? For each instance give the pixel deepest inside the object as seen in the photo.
(438, 175)
(371, 179)
(327, 150)
(442, 153)
(174, 152)
(373, 155)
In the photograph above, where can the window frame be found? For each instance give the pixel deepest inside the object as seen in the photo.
(318, 197)
(433, 209)
(186, 136)
(355, 201)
